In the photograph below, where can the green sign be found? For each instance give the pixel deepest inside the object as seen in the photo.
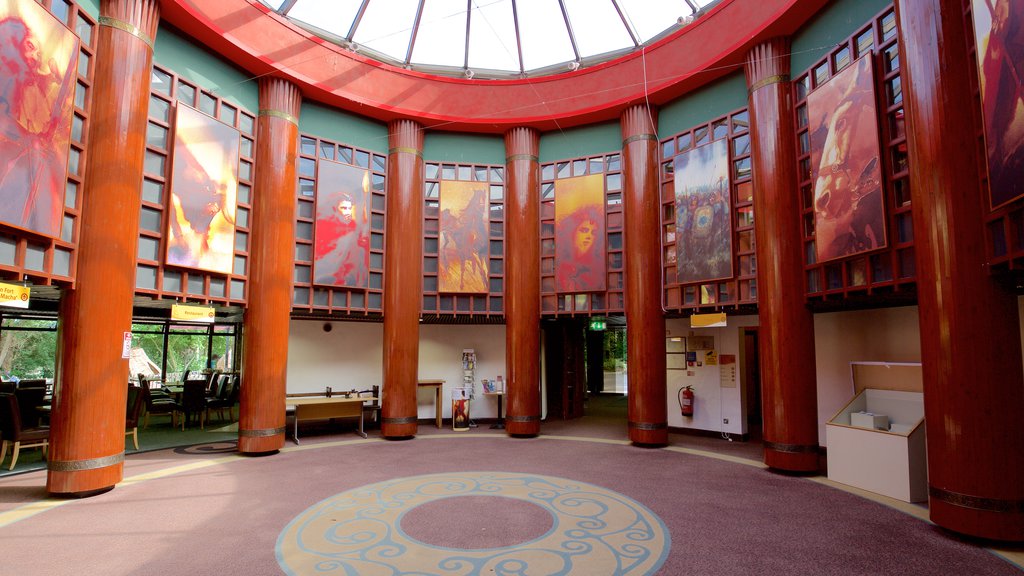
(597, 324)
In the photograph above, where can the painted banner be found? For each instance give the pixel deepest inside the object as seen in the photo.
(849, 209)
(703, 214)
(38, 65)
(580, 234)
(204, 184)
(999, 38)
(463, 240)
(341, 250)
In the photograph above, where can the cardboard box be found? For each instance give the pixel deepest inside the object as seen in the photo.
(869, 420)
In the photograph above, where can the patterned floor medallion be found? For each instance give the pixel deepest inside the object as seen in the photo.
(584, 529)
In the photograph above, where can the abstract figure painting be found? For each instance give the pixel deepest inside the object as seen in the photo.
(999, 38)
(201, 222)
(849, 210)
(38, 63)
(341, 249)
(703, 214)
(462, 249)
(579, 234)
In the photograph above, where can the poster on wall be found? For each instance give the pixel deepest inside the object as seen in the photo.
(38, 64)
(999, 38)
(462, 238)
(580, 234)
(703, 214)
(204, 184)
(341, 247)
(849, 209)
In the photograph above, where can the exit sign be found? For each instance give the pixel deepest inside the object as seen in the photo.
(598, 324)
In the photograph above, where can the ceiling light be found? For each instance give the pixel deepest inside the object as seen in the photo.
(470, 74)
(574, 65)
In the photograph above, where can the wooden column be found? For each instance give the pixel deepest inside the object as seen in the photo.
(265, 336)
(645, 319)
(403, 278)
(87, 424)
(970, 334)
(788, 380)
(522, 282)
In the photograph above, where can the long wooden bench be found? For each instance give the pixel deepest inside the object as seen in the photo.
(320, 406)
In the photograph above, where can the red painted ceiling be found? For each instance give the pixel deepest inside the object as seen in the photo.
(261, 42)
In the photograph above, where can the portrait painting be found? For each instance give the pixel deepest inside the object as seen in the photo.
(463, 241)
(38, 60)
(204, 186)
(341, 246)
(703, 214)
(849, 208)
(580, 234)
(999, 39)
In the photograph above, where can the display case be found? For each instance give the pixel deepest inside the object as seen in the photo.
(877, 441)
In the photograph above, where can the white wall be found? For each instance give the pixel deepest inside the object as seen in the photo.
(882, 335)
(351, 356)
(712, 403)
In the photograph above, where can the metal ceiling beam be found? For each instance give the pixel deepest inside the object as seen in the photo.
(632, 35)
(519, 40)
(469, 13)
(355, 21)
(286, 6)
(568, 28)
(415, 31)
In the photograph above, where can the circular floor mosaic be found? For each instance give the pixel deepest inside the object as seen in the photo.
(591, 530)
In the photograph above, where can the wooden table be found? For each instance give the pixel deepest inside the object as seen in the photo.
(500, 424)
(323, 408)
(438, 406)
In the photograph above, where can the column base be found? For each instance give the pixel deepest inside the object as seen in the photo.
(400, 428)
(648, 434)
(791, 457)
(260, 442)
(64, 480)
(522, 426)
(977, 517)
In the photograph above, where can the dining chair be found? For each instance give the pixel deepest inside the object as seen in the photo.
(133, 410)
(193, 401)
(158, 405)
(30, 398)
(227, 396)
(14, 435)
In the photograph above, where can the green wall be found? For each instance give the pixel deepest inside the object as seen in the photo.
(464, 148)
(183, 57)
(580, 142)
(701, 106)
(91, 7)
(833, 24)
(333, 124)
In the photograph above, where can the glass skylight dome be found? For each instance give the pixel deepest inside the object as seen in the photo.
(491, 38)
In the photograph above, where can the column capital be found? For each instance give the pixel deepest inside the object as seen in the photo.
(768, 63)
(522, 143)
(140, 18)
(639, 122)
(279, 98)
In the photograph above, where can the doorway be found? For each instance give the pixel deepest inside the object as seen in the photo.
(750, 367)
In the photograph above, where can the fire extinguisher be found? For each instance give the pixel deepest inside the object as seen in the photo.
(686, 400)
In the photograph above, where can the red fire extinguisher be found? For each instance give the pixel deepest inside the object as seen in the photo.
(686, 400)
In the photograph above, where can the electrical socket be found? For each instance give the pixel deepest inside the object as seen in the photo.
(725, 420)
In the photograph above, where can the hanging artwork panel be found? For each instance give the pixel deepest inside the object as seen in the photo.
(204, 187)
(999, 41)
(580, 234)
(703, 214)
(341, 249)
(849, 208)
(463, 240)
(38, 63)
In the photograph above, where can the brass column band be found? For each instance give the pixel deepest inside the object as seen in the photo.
(405, 149)
(522, 418)
(261, 433)
(636, 137)
(90, 464)
(281, 115)
(791, 448)
(977, 502)
(403, 420)
(126, 27)
(648, 425)
(778, 78)
(515, 157)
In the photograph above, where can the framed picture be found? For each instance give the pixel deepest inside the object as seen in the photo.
(204, 185)
(37, 89)
(849, 208)
(694, 343)
(703, 214)
(580, 234)
(341, 246)
(998, 40)
(463, 240)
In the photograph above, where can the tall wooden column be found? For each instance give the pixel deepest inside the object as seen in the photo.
(265, 336)
(645, 319)
(403, 279)
(522, 282)
(87, 425)
(788, 380)
(970, 335)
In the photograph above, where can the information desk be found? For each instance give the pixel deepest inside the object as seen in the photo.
(436, 385)
(324, 408)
